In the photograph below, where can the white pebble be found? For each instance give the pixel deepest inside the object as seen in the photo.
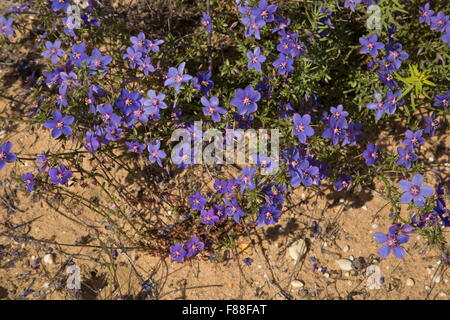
(431, 159)
(344, 264)
(437, 278)
(49, 259)
(297, 283)
(346, 249)
(410, 282)
(364, 208)
(326, 275)
(297, 249)
(374, 226)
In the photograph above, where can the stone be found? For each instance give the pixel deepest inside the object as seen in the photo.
(344, 264)
(297, 283)
(49, 258)
(410, 282)
(346, 249)
(437, 278)
(373, 273)
(297, 249)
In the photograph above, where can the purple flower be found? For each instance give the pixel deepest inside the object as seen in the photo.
(155, 100)
(203, 82)
(58, 5)
(78, 55)
(392, 101)
(407, 156)
(392, 241)
(284, 64)
(28, 179)
(128, 101)
(265, 11)
(351, 4)
(439, 21)
(154, 45)
(371, 154)
(98, 62)
(442, 100)
(6, 27)
(370, 45)
(197, 201)
(155, 154)
(414, 191)
(177, 252)
(53, 51)
(193, 246)
(176, 76)
(211, 108)
(145, 65)
(42, 162)
(246, 179)
(413, 139)
(207, 22)
(431, 124)
(245, 100)
(396, 54)
(209, 217)
(255, 59)
(338, 112)
(108, 115)
(336, 130)
(140, 43)
(377, 106)
(268, 215)
(92, 141)
(301, 128)
(135, 147)
(132, 56)
(60, 124)
(253, 25)
(426, 14)
(281, 24)
(6, 155)
(233, 209)
(59, 174)
(344, 182)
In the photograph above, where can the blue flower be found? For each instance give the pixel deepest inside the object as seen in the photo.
(28, 179)
(211, 108)
(414, 191)
(177, 252)
(392, 241)
(193, 246)
(6, 155)
(301, 128)
(245, 100)
(53, 51)
(207, 22)
(59, 174)
(407, 156)
(268, 214)
(60, 124)
(246, 179)
(370, 45)
(255, 59)
(284, 64)
(371, 154)
(233, 209)
(155, 154)
(197, 201)
(176, 77)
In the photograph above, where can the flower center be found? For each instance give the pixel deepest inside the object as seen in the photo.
(2, 156)
(414, 190)
(59, 124)
(246, 101)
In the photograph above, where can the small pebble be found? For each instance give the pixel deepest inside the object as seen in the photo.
(297, 283)
(364, 208)
(326, 275)
(374, 226)
(351, 258)
(410, 282)
(344, 264)
(442, 294)
(346, 249)
(49, 259)
(437, 278)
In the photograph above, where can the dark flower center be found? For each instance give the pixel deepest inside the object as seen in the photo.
(2, 156)
(59, 124)
(414, 190)
(246, 101)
